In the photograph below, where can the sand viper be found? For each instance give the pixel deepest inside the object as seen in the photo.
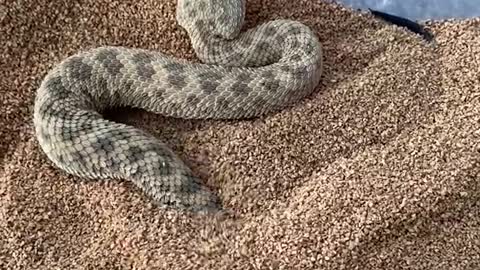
(243, 74)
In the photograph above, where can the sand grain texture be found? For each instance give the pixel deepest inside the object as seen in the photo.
(379, 169)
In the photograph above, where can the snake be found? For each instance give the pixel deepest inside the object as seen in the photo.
(241, 74)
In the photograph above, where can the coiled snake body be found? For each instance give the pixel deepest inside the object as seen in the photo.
(243, 75)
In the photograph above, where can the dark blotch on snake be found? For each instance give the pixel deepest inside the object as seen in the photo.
(210, 24)
(209, 75)
(244, 77)
(135, 154)
(108, 58)
(300, 72)
(162, 168)
(193, 100)
(209, 87)
(237, 58)
(241, 88)
(177, 80)
(174, 67)
(200, 24)
(142, 57)
(280, 38)
(272, 85)
(192, 13)
(293, 31)
(143, 64)
(84, 125)
(56, 86)
(227, 48)
(105, 144)
(51, 111)
(119, 135)
(268, 74)
(269, 31)
(285, 68)
(77, 69)
(191, 185)
(145, 71)
(263, 46)
(66, 135)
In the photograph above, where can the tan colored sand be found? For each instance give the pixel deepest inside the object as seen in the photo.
(379, 169)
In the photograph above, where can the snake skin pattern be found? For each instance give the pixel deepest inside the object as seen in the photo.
(243, 75)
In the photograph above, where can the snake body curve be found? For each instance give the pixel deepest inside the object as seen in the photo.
(243, 75)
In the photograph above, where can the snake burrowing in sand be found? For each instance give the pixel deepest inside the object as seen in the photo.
(243, 75)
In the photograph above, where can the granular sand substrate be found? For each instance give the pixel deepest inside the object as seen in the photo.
(378, 169)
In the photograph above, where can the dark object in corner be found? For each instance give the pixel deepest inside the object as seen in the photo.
(410, 25)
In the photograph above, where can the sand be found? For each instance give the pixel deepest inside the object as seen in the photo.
(378, 169)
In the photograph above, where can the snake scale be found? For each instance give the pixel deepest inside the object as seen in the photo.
(243, 74)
